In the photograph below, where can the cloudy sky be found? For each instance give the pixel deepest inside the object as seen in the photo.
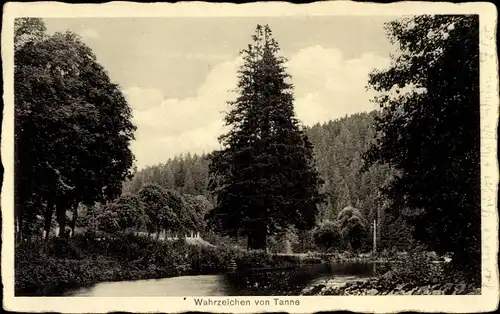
(177, 72)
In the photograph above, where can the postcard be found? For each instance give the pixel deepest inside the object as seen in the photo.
(243, 158)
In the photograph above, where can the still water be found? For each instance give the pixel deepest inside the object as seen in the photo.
(261, 282)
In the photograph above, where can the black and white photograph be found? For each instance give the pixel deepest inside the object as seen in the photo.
(244, 162)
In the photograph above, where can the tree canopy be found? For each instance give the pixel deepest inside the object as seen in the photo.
(130, 212)
(431, 132)
(327, 235)
(158, 211)
(72, 125)
(353, 226)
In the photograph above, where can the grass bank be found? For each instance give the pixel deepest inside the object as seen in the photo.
(61, 264)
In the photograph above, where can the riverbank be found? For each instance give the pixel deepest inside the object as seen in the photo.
(404, 277)
(61, 264)
(377, 286)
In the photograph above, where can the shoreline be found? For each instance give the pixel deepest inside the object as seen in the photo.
(43, 274)
(114, 271)
(382, 285)
(64, 289)
(63, 265)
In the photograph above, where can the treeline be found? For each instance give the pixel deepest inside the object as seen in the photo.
(338, 148)
(152, 210)
(187, 173)
(353, 188)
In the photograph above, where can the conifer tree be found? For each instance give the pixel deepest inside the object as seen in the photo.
(266, 179)
(189, 184)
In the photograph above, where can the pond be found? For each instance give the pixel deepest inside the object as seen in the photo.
(262, 282)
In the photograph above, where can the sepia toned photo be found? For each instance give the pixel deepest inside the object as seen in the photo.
(237, 161)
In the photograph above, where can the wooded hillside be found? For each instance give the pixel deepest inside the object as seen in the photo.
(338, 148)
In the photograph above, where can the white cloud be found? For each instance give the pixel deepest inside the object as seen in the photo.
(166, 127)
(142, 99)
(328, 86)
(89, 33)
(197, 56)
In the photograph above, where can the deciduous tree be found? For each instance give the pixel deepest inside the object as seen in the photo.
(353, 226)
(431, 134)
(72, 126)
(130, 210)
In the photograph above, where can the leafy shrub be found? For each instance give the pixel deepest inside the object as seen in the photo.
(418, 267)
(62, 248)
(284, 242)
(353, 226)
(327, 236)
(254, 259)
(210, 259)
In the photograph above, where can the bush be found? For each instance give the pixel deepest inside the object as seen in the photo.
(62, 248)
(285, 242)
(210, 259)
(254, 259)
(327, 236)
(418, 267)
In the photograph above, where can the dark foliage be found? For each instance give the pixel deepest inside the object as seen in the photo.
(432, 135)
(265, 178)
(85, 259)
(72, 127)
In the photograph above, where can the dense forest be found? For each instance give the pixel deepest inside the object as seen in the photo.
(338, 149)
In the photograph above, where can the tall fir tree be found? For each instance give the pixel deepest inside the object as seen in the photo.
(266, 179)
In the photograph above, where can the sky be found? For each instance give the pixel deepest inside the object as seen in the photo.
(177, 73)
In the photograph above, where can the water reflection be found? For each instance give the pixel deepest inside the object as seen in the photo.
(292, 281)
(203, 285)
(289, 281)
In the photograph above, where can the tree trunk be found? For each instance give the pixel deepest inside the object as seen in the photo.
(74, 218)
(257, 239)
(61, 219)
(48, 220)
(19, 234)
(47, 232)
(261, 241)
(288, 247)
